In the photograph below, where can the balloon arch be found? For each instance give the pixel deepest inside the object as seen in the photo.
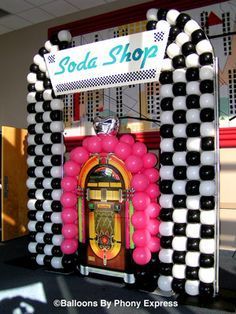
(188, 219)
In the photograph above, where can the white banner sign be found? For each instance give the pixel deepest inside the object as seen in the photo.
(114, 62)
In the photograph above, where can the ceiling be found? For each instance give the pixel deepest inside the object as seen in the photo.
(23, 13)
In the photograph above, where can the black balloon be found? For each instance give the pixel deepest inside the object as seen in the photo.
(179, 116)
(206, 290)
(31, 150)
(180, 172)
(69, 261)
(206, 86)
(31, 172)
(193, 158)
(182, 19)
(192, 187)
(56, 183)
(166, 269)
(166, 77)
(206, 260)
(207, 115)
(206, 58)
(193, 216)
(56, 115)
(166, 214)
(56, 160)
(47, 194)
(42, 51)
(48, 238)
(197, 36)
(166, 242)
(174, 31)
(31, 193)
(151, 25)
(188, 48)
(178, 62)
(193, 130)
(39, 226)
(192, 74)
(179, 229)
(56, 206)
(207, 172)
(54, 39)
(47, 260)
(166, 159)
(39, 117)
(166, 186)
(47, 172)
(56, 251)
(180, 144)
(32, 236)
(47, 105)
(31, 108)
(207, 231)
(38, 139)
(166, 104)
(207, 202)
(41, 75)
(46, 127)
(38, 160)
(32, 214)
(178, 285)
(34, 68)
(193, 244)
(207, 143)
(31, 88)
(39, 204)
(161, 14)
(192, 273)
(179, 257)
(179, 89)
(63, 45)
(56, 228)
(39, 96)
(31, 129)
(166, 130)
(40, 248)
(179, 201)
(56, 137)
(47, 83)
(47, 149)
(192, 102)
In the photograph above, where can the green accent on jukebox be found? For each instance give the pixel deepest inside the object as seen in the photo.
(131, 227)
(80, 219)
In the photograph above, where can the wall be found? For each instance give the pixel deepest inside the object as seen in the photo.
(16, 55)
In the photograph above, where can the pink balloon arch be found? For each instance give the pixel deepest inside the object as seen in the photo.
(141, 165)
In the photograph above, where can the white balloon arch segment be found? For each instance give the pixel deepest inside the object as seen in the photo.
(189, 233)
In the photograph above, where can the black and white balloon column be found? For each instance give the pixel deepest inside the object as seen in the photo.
(188, 158)
(45, 161)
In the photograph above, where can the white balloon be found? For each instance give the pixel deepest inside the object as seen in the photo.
(166, 228)
(56, 262)
(46, 116)
(207, 101)
(30, 140)
(56, 218)
(208, 217)
(39, 194)
(173, 50)
(206, 72)
(166, 172)
(182, 38)
(40, 237)
(207, 188)
(47, 205)
(47, 161)
(48, 249)
(64, 35)
(192, 259)
(54, 48)
(180, 215)
(58, 149)
(47, 138)
(208, 158)
(39, 106)
(56, 172)
(207, 129)
(166, 91)
(179, 243)
(193, 202)
(47, 94)
(30, 183)
(39, 215)
(178, 187)
(57, 126)
(192, 60)
(43, 67)
(178, 271)
(38, 59)
(190, 27)
(32, 225)
(39, 86)
(193, 116)
(39, 150)
(165, 255)
(47, 183)
(57, 239)
(56, 195)
(166, 145)
(39, 128)
(31, 97)
(192, 287)
(204, 46)
(152, 14)
(207, 275)
(207, 246)
(31, 118)
(193, 173)
(30, 161)
(167, 65)
(32, 247)
(57, 104)
(40, 259)
(31, 204)
(179, 75)
(48, 45)
(171, 16)
(193, 88)
(179, 159)
(164, 283)
(179, 102)
(32, 78)
(39, 172)
(194, 144)
(47, 227)
(193, 230)
(166, 201)
(179, 130)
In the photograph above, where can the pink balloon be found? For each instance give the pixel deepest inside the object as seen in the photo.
(68, 199)
(94, 144)
(69, 215)
(134, 163)
(85, 143)
(139, 182)
(141, 237)
(140, 200)
(109, 143)
(142, 255)
(149, 160)
(69, 184)
(152, 174)
(79, 155)
(153, 190)
(71, 168)
(128, 139)
(69, 246)
(153, 226)
(123, 150)
(139, 219)
(69, 231)
(154, 244)
(153, 210)
(139, 149)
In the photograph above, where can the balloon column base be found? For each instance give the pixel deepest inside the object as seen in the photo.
(224, 301)
(163, 293)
